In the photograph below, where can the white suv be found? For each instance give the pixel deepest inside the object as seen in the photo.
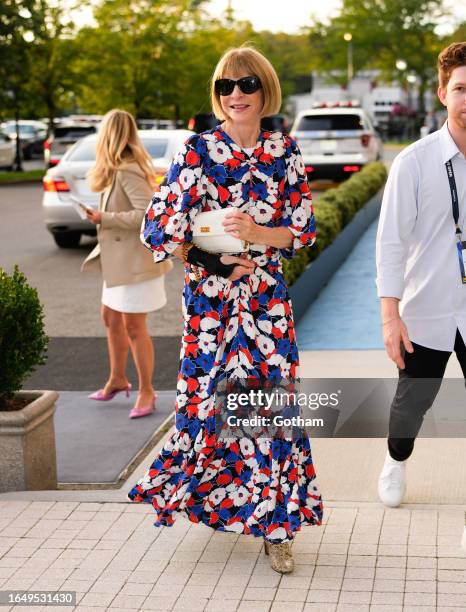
(336, 140)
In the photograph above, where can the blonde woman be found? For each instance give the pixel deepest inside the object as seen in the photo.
(238, 316)
(132, 284)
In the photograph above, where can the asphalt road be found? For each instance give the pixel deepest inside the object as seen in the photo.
(77, 356)
(71, 299)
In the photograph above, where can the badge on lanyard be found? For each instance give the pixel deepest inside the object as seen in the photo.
(461, 247)
(460, 244)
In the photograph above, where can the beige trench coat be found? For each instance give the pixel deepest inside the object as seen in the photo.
(120, 255)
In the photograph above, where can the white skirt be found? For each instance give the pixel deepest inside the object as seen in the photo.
(145, 296)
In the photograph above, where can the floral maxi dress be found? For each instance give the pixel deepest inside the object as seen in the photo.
(239, 329)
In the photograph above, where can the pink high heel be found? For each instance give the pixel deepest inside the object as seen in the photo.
(143, 411)
(100, 396)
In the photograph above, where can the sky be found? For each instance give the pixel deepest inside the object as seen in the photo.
(264, 14)
(271, 14)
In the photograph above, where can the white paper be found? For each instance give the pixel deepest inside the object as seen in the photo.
(78, 206)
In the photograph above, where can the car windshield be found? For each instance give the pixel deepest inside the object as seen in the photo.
(315, 123)
(85, 150)
(23, 129)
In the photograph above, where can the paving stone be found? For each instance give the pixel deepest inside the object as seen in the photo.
(331, 560)
(360, 572)
(451, 599)
(329, 571)
(331, 584)
(259, 580)
(391, 573)
(323, 596)
(421, 574)
(205, 580)
(222, 605)
(450, 563)
(421, 562)
(419, 598)
(360, 561)
(389, 586)
(127, 601)
(355, 597)
(386, 598)
(197, 592)
(165, 602)
(259, 594)
(415, 550)
(254, 606)
(291, 606)
(226, 592)
(452, 587)
(227, 579)
(291, 581)
(97, 599)
(290, 595)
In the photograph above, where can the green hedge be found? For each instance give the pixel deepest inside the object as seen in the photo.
(335, 209)
(23, 343)
(21, 177)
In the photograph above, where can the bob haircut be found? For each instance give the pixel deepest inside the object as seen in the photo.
(118, 143)
(247, 61)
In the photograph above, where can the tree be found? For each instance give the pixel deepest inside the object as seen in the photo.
(130, 59)
(384, 31)
(15, 31)
(51, 50)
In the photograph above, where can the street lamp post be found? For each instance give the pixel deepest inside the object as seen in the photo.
(348, 37)
(13, 95)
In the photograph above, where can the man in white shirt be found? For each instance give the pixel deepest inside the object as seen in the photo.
(421, 260)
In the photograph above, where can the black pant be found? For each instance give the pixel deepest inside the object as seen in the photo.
(414, 396)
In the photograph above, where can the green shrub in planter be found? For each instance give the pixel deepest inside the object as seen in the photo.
(335, 209)
(23, 343)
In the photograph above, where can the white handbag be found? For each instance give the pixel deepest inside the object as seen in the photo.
(209, 233)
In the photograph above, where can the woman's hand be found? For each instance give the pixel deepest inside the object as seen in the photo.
(245, 266)
(94, 216)
(241, 225)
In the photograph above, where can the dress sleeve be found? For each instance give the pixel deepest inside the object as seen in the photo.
(169, 216)
(298, 215)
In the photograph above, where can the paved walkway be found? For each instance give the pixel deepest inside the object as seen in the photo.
(362, 558)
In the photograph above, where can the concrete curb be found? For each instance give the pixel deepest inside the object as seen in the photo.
(317, 274)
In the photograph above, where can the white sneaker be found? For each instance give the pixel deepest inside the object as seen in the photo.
(392, 482)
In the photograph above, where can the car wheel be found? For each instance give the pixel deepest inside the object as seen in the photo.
(67, 240)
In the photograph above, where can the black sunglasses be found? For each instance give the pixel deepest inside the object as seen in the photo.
(248, 85)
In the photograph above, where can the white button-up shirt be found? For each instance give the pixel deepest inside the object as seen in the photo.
(417, 258)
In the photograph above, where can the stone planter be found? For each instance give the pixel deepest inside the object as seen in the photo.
(28, 459)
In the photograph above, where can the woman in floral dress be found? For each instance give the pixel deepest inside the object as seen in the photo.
(238, 323)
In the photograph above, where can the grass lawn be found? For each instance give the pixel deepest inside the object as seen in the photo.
(16, 177)
(397, 143)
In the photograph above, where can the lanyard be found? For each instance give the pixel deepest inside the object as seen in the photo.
(454, 196)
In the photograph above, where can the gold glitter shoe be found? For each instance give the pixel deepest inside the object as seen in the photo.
(281, 559)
